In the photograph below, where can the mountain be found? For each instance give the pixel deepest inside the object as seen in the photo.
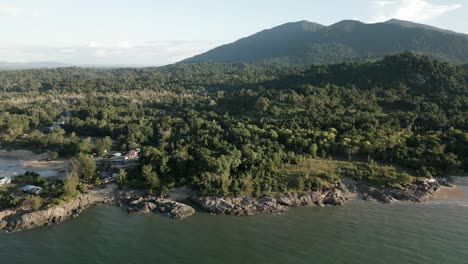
(349, 40)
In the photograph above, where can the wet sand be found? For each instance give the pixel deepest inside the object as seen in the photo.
(455, 192)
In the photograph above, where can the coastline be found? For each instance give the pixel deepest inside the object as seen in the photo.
(141, 202)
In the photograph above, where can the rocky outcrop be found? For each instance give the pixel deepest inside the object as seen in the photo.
(174, 210)
(239, 205)
(249, 205)
(419, 192)
(25, 220)
(138, 202)
(141, 202)
(150, 204)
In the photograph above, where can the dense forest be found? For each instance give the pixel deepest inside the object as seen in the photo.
(233, 128)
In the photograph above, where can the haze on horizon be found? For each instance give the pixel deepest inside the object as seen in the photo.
(151, 33)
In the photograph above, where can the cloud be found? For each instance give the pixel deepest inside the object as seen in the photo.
(383, 3)
(13, 11)
(123, 45)
(154, 53)
(67, 50)
(413, 10)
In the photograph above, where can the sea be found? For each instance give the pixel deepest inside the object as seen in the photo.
(361, 232)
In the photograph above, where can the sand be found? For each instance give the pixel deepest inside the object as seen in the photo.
(17, 162)
(449, 193)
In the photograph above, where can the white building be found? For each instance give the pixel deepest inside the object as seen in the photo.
(32, 189)
(4, 180)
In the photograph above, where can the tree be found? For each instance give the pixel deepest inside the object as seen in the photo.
(70, 186)
(313, 150)
(84, 166)
(122, 176)
(151, 177)
(86, 145)
(103, 145)
(53, 155)
(262, 104)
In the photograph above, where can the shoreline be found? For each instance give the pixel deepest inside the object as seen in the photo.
(140, 202)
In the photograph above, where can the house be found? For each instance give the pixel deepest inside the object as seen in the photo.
(32, 189)
(4, 180)
(132, 154)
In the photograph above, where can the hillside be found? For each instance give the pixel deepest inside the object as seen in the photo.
(349, 40)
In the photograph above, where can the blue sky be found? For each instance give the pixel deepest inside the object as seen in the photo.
(144, 32)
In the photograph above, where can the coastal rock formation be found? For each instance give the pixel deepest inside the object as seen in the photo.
(248, 205)
(175, 210)
(138, 202)
(419, 192)
(150, 204)
(240, 205)
(25, 220)
(141, 202)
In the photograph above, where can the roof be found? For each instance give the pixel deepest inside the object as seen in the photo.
(28, 188)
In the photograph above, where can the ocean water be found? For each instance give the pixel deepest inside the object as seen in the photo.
(361, 232)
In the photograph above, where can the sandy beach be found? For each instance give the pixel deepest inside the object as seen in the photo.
(17, 162)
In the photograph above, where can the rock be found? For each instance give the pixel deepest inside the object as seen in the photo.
(418, 192)
(286, 200)
(142, 207)
(3, 224)
(248, 205)
(150, 206)
(137, 201)
(29, 220)
(335, 197)
(20, 219)
(181, 211)
(174, 209)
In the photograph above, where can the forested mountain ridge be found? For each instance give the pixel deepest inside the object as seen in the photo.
(233, 129)
(349, 40)
(418, 74)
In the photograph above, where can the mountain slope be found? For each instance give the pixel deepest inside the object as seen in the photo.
(349, 40)
(275, 42)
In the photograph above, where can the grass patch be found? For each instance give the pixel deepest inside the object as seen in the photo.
(316, 173)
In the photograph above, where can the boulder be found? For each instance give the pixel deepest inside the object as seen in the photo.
(174, 209)
(3, 224)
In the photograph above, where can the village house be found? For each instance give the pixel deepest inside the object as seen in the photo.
(4, 180)
(32, 189)
(132, 154)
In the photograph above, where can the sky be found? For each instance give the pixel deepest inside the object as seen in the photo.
(157, 32)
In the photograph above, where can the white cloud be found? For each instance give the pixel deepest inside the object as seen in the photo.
(67, 50)
(13, 11)
(123, 45)
(94, 44)
(153, 53)
(383, 3)
(413, 10)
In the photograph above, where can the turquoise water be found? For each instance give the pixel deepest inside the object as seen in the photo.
(361, 232)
